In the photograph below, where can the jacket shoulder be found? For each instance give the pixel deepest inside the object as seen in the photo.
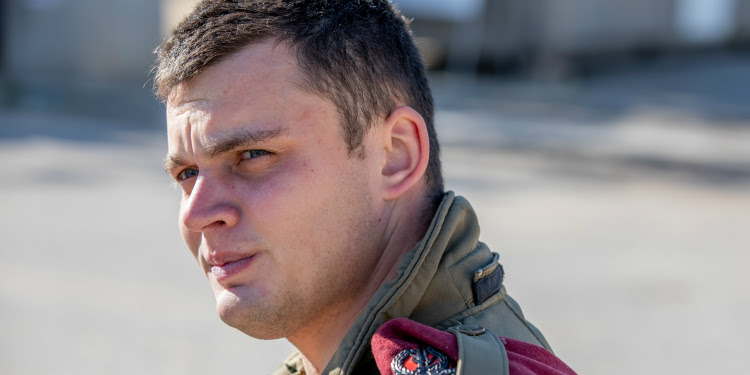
(404, 347)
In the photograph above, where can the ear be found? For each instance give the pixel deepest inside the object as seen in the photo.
(407, 151)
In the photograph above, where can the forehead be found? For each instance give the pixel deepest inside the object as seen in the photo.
(257, 88)
(260, 81)
(260, 67)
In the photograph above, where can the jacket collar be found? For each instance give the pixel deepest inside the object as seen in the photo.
(431, 285)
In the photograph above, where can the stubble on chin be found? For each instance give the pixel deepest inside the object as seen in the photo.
(290, 312)
(261, 318)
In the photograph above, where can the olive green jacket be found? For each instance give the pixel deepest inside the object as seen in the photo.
(436, 287)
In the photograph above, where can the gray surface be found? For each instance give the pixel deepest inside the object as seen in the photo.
(620, 206)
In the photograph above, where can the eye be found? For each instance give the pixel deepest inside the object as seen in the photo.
(186, 173)
(252, 154)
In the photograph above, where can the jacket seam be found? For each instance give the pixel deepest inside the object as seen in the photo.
(495, 299)
(525, 323)
(455, 286)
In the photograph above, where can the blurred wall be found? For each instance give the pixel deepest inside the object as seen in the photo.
(586, 25)
(81, 40)
(81, 56)
(743, 20)
(543, 29)
(93, 57)
(173, 11)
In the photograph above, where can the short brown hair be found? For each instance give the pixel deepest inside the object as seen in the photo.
(357, 53)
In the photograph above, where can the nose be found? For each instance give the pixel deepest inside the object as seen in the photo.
(208, 207)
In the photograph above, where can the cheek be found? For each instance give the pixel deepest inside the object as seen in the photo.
(292, 205)
(192, 239)
(284, 194)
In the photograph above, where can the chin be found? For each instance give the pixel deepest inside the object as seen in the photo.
(230, 308)
(251, 319)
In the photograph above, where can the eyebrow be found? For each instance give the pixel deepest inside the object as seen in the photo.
(241, 138)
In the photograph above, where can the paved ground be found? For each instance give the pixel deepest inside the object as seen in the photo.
(620, 206)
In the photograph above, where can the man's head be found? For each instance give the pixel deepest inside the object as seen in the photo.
(358, 54)
(294, 224)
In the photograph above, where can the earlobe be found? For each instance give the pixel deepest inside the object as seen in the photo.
(407, 151)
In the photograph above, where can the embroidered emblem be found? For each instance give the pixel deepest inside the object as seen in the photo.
(422, 361)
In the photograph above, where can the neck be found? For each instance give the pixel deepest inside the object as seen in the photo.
(403, 228)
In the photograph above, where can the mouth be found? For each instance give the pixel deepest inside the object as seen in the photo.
(226, 270)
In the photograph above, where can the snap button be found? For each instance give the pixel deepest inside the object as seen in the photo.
(471, 330)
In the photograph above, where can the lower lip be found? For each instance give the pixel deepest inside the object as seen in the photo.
(230, 269)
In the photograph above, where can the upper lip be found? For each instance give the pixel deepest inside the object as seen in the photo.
(220, 258)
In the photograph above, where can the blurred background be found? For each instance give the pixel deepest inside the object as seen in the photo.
(604, 144)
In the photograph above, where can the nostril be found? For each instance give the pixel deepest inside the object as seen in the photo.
(216, 224)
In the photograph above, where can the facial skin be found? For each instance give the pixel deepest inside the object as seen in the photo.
(293, 233)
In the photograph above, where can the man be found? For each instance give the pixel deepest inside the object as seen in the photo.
(301, 133)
